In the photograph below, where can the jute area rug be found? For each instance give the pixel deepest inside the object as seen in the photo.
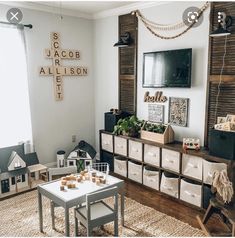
(19, 217)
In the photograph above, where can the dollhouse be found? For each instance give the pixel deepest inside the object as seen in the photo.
(81, 156)
(18, 171)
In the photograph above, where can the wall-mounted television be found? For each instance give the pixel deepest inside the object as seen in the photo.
(170, 68)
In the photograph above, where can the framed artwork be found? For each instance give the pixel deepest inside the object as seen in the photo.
(178, 111)
(156, 113)
(221, 120)
(230, 118)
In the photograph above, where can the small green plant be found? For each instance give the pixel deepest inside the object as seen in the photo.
(157, 128)
(129, 126)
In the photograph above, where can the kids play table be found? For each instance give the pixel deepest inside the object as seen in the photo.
(73, 197)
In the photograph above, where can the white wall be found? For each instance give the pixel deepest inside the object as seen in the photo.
(53, 122)
(106, 70)
(86, 99)
(196, 38)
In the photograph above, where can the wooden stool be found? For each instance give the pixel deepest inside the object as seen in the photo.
(227, 213)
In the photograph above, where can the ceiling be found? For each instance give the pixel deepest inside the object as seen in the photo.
(88, 7)
(85, 9)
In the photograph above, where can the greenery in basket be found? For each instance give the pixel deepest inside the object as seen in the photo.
(129, 126)
(157, 128)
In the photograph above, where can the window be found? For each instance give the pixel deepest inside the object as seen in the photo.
(18, 179)
(15, 120)
(13, 181)
(23, 178)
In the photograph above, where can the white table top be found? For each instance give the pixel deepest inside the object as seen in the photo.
(82, 188)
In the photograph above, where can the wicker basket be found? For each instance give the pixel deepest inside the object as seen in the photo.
(165, 138)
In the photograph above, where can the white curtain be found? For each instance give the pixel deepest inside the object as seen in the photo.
(15, 116)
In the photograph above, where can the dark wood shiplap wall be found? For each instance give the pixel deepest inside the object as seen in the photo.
(128, 65)
(226, 99)
(217, 43)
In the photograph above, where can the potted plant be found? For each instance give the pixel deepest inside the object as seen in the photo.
(157, 132)
(129, 126)
(157, 128)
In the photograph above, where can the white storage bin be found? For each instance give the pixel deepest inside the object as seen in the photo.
(151, 177)
(209, 168)
(152, 155)
(135, 150)
(169, 184)
(192, 166)
(120, 146)
(171, 160)
(107, 142)
(135, 171)
(191, 192)
(120, 166)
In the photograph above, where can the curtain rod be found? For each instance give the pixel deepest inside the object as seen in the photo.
(16, 24)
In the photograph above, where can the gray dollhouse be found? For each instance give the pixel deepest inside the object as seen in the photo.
(18, 170)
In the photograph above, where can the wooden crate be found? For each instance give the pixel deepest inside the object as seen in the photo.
(165, 138)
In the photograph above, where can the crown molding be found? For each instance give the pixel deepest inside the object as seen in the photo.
(44, 8)
(69, 12)
(128, 8)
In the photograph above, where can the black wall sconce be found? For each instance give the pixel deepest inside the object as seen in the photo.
(224, 23)
(124, 40)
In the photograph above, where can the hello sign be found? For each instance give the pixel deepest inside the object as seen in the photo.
(57, 70)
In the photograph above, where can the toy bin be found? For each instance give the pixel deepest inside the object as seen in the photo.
(191, 192)
(107, 142)
(135, 171)
(207, 195)
(169, 184)
(135, 150)
(110, 119)
(209, 168)
(120, 145)
(222, 144)
(152, 155)
(151, 177)
(120, 166)
(192, 166)
(171, 160)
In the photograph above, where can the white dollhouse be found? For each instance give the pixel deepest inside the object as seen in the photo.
(81, 156)
(18, 171)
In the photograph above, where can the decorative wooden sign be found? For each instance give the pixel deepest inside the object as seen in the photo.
(178, 111)
(158, 97)
(57, 70)
(156, 113)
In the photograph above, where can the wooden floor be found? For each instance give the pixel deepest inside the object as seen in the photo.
(170, 206)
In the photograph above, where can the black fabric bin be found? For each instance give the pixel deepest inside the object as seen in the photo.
(108, 158)
(207, 195)
(110, 120)
(222, 144)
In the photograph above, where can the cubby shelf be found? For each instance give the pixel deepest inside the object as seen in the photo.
(178, 177)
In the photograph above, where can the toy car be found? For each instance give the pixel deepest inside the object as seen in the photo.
(191, 143)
